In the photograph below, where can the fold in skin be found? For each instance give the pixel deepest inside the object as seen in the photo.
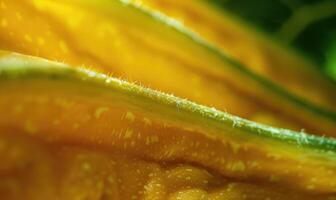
(259, 52)
(72, 133)
(128, 42)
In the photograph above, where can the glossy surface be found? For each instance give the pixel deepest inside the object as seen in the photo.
(260, 53)
(107, 139)
(156, 52)
(44, 171)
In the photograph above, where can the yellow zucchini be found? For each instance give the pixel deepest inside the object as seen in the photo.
(72, 133)
(157, 52)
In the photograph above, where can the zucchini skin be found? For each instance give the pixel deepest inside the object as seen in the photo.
(217, 79)
(15, 66)
(217, 132)
(314, 94)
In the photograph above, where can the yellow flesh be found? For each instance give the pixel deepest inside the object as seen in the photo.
(98, 35)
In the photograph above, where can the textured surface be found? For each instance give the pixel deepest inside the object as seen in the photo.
(85, 129)
(170, 57)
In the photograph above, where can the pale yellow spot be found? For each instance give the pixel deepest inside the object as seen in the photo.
(110, 179)
(64, 103)
(99, 111)
(230, 187)
(56, 122)
(40, 41)
(86, 166)
(130, 116)
(254, 164)
(191, 194)
(128, 133)
(3, 5)
(28, 38)
(154, 139)
(238, 166)
(189, 170)
(147, 141)
(18, 16)
(76, 19)
(30, 127)
(63, 46)
(4, 22)
(274, 178)
(17, 109)
(147, 121)
(274, 156)
(235, 147)
(310, 187)
(75, 126)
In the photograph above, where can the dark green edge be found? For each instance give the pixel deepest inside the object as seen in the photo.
(17, 68)
(270, 86)
(216, 4)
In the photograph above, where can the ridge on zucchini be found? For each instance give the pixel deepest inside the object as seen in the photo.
(261, 53)
(170, 56)
(56, 105)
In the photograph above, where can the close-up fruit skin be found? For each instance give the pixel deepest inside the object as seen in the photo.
(256, 50)
(65, 128)
(166, 99)
(158, 52)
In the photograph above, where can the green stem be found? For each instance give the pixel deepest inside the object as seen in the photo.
(305, 16)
